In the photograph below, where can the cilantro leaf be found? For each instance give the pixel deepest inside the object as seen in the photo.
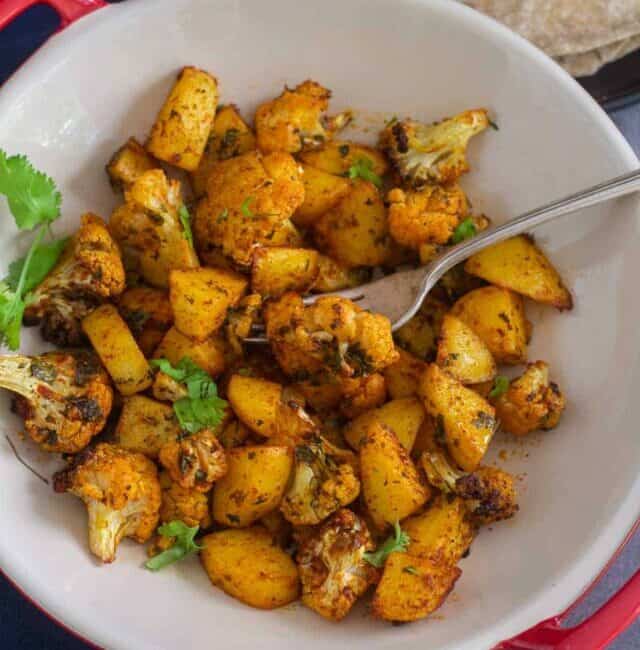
(201, 408)
(397, 543)
(32, 195)
(183, 545)
(500, 386)
(44, 259)
(185, 220)
(363, 168)
(11, 310)
(245, 209)
(465, 230)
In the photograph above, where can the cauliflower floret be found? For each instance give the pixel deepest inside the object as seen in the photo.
(248, 203)
(332, 568)
(428, 216)
(240, 320)
(63, 397)
(531, 402)
(194, 461)
(121, 491)
(432, 153)
(184, 504)
(332, 334)
(89, 273)
(323, 482)
(489, 493)
(294, 122)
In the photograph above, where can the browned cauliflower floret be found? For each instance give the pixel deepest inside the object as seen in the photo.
(432, 153)
(240, 320)
(531, 402)
(194, 461)
(63, 397)
(294, 121)
(332, 334)
(248, 203)
(183, 504)
(149, 227)
(428, 216)
(88, 273)
(121, 491)
(490, 494)
(332, 568)
(323, 482)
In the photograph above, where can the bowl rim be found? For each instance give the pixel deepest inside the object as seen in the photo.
(580, 575)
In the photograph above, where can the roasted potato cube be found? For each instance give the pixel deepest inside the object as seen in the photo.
(333, 276)
(518, 264)
(338, 157)
(247, 565)
(145, 425)
(432, 153)
(355, 231)
(128, 163)
(403, 416)
(391, 484)
(229, 137)
(234, 434)
(463, 354)
(531, 402)
(278, 270)
(467, 419)
(429, 216)
(208, 354)
(182, 128)
(412, 588)
(294, 121)
(420, 335)
(253, 486)
(321, 192)
(118, 350)
(201, 297)
(256, 402)
(403, 376)
(497, 316)
(248, 203)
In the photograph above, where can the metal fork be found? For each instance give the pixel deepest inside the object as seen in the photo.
(399, 296)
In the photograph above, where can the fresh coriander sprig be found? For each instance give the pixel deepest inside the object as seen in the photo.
(363, 168)
(465, 230)
(183, 545)
(34, 202)
(201, 408)
(185, 220)
(397, 543)
(500, 386)
(245, 209)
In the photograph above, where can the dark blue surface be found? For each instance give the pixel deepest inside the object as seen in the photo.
(25, 627)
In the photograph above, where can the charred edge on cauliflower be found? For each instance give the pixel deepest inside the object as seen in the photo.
(490, 493)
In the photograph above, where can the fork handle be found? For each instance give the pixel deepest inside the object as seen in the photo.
(612, 189)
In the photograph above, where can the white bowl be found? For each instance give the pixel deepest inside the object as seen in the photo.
(104, 78)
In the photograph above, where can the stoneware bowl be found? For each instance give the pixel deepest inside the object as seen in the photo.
(102, 79)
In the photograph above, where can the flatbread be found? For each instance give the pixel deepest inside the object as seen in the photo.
(582, 35)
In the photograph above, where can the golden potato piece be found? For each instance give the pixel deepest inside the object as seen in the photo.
(128, 163)
(468, 421)
(181, 130)
(497, 316)
(208, 354)
(253, 486)
(321, 192)
(256, 402)
(338, 157)
(463, 354)
(412, 588)
(403, 376)
(355, 231)
(234, 434)
(145, 425)
(118, 350)
(429, 216)
(403, 416)
(531, 402)
(201, 297)
(420, 335)
(518, 264)
(391, 484)
(278, 270)
(229, 137)
(333, 276)
(247, 565)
